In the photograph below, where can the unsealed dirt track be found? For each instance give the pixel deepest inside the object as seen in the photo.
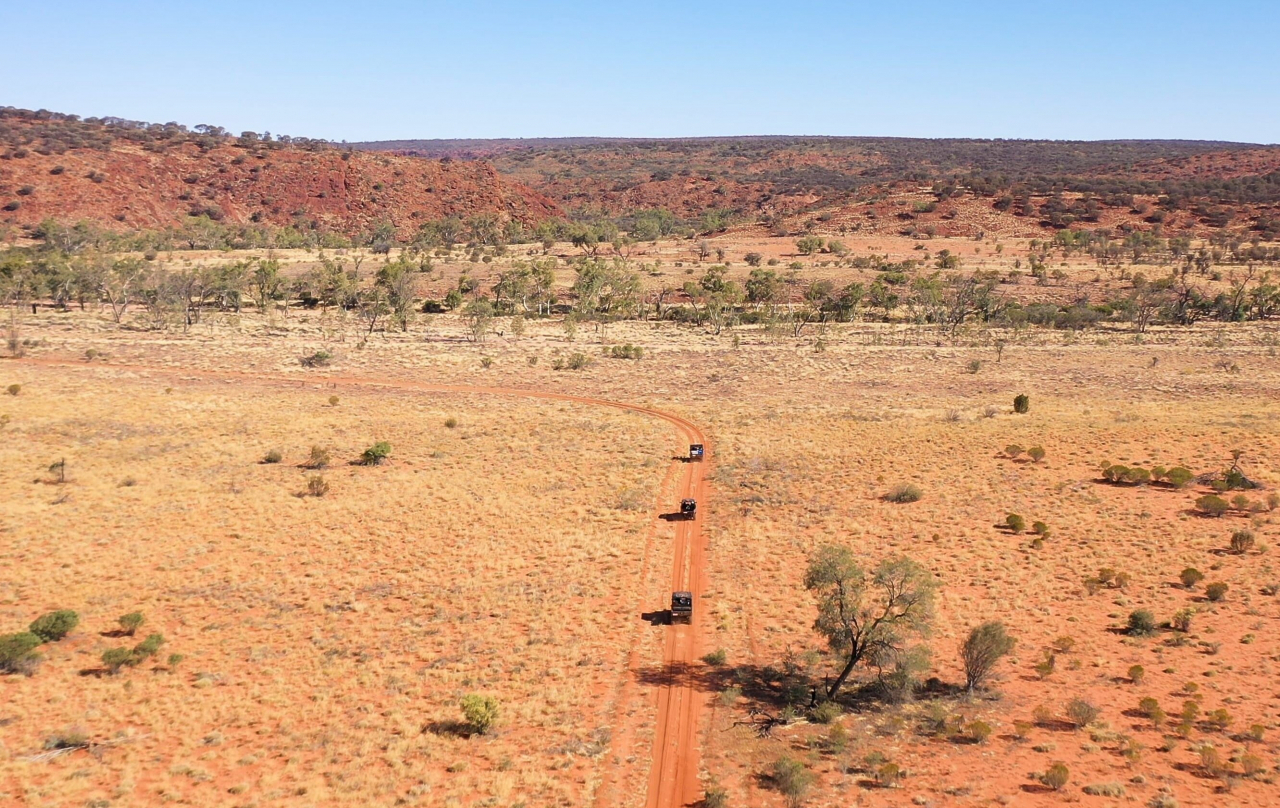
(673, 777)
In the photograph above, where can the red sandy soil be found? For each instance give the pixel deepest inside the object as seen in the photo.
(344, 192)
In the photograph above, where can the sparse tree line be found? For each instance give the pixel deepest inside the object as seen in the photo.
(70, 271)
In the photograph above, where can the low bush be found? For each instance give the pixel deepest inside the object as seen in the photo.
(1081, 713)
(1056, 776)
(317, 486)
(1216, 591)
(1242, 541)
(826, 712)
(480, 711)
(130, 623)
(54, 626)
(791, 778)
(627, 351)
(715, 796)
(319, 359)
(1015, 523)
(1218, 719)
(1179, 476)
(273, 456)
(907, 492)
(716, 657)
(1142, 623)
(113, 659)
(18, 652)
(1212, 505)
(982, 650)
(375, 454)
(1036, 453)
(318, 459)
(148, 647)
(978, 731)
(1190, 577)
(1022, 404)
(1104, 789)
(1137, 673)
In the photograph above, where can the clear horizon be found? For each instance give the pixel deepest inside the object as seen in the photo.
(502, 70)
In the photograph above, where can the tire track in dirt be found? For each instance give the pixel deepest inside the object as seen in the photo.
(673, 776)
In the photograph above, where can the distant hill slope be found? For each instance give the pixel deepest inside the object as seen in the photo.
(789, 173)
(130, 176)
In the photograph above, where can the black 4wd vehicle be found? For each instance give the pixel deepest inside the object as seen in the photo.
(688, 508)
(681, 607)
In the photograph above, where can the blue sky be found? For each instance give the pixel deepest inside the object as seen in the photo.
(383, 70)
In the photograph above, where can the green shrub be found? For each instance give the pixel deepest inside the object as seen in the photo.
(1015, 523)
(113, 659)
(1242, 541)
(1190, 577)
(792, 778)
(375, 454)
(481, 712)
(906, 492)
(1216, 591)
(715, 797)
(627, 351)
(578, 361)
(1212, 505)
(1114, 473)
(54, 626)
(1179, 476)
(1036, 453)
(319, 458)
(317, 485)
(1013, 450)
(1142, 623)
(273, 456)
(451, 423)
(1137, 673)
(1040, 529)
(1022, 404)
(982, 650)
(978, 731)
(826, 712)
(13, 389)
(333, 401)
(319, 359)
(129, 623)
(1081, 713)
(888, 774)
(1056, 776)
(716, 657)
(148, 647)
(1219, 719)
(1182, 619)
(18, 652)
(1137, 476)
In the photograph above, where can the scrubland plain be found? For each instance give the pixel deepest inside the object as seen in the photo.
(509, 548)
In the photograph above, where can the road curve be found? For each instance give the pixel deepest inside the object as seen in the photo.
(673, 776)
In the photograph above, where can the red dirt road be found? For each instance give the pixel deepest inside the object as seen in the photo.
(673, 780)
(673, 777)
